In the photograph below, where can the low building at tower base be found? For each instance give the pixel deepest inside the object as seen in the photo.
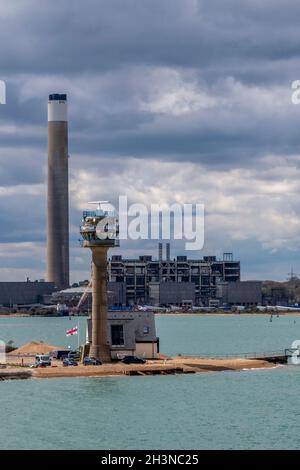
(130, 333)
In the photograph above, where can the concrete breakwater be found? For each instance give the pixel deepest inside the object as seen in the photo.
(15, 374)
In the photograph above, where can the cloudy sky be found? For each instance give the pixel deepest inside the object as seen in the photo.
(169, 100)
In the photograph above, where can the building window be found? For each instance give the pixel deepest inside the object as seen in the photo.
(117, 335)
(140, 280)
(146, 330)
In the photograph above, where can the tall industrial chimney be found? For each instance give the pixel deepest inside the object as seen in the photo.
(58, 192)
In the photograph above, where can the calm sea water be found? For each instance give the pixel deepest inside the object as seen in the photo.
(228, 410)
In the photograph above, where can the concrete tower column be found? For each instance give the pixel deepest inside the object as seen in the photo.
(100, 345)
(58, 192)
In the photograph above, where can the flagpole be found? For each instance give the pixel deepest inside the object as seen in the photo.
(78, 333)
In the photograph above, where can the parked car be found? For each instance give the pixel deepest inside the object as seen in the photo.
(91, 361)
(133, 360)
(74, 355)
(42, 360)
(69, 362)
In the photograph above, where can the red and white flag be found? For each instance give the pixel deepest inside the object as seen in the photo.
(72, 331)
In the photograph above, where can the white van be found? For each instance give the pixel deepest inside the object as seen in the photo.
(42, 360)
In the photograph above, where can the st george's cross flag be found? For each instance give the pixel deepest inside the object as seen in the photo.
(72, 331)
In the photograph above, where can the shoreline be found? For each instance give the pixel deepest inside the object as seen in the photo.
(222, 314)
(174, 314)
(170, 366)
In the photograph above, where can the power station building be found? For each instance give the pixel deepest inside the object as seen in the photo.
(197, 280)
(20, 293)
(245, 293)
(58, 192)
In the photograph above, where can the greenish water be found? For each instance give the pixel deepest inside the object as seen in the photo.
(231, 410)
(178, 335)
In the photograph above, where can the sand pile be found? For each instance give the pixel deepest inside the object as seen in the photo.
(35, 347)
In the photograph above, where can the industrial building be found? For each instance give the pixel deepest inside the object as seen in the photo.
(245, 293)
(116, 295)
(140, 276)
(161, 282)
(281, 293)
(172, 293)
(130, 333)
(21, 293)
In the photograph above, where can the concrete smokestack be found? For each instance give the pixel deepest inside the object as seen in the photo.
(58, 192)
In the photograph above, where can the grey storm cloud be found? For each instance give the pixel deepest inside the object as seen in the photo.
(120, 42)
(102, 34)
